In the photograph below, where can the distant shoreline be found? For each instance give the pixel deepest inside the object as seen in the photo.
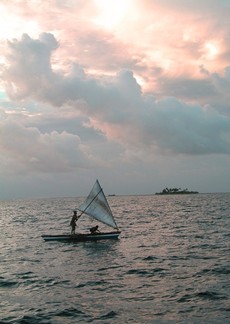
(176, 191)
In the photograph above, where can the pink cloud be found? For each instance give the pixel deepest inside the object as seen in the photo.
(174, 36)
(117, 106)
(158, 81)
(87, 87)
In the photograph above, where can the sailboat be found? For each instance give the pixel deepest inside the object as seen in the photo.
(97, 207)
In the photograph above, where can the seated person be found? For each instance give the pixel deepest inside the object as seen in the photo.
(94, 229)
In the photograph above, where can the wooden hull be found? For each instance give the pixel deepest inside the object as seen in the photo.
(82, 237)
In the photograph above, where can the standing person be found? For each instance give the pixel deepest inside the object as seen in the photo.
(73, 222)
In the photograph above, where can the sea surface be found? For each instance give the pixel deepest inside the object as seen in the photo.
(170, 265)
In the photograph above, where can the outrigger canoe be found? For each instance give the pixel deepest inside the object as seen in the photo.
(82, 237)
(97, 207)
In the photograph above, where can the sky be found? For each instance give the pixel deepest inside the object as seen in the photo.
(134, 93)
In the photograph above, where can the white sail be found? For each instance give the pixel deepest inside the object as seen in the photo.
(96, 206)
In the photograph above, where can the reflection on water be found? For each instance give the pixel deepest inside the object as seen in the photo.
(170, 264)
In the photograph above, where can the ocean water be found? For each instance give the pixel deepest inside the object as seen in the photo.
(170, 265)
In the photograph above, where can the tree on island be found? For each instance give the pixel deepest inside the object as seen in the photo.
(171, 191)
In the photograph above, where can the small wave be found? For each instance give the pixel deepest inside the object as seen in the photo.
(25, 275)
(150, 258)
(146, 272)
(137, 271)
(69, 312)
(34, 319)
(92, 284)
(35, 316)
(222, 270)
(7, 283)
(209, 295)
(218, 271)
(109, 315)
(188, 309)
(177, 257)
(109, 267)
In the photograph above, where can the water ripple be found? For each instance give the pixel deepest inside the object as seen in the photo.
(171, 264)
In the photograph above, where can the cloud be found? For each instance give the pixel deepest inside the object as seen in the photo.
(141, 98)
(30, 67)
(26, 149)
(116, 105)
(189, 129)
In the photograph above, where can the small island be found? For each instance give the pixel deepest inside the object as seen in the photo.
(175, 191)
